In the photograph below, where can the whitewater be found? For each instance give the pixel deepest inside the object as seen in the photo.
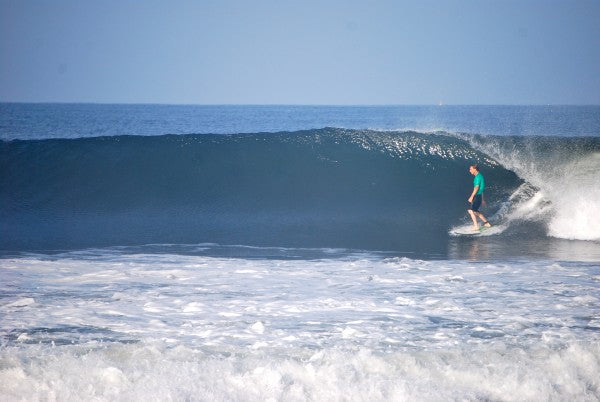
(252, 253)
(129, 326)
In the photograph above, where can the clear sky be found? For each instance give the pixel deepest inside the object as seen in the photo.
(301, 52)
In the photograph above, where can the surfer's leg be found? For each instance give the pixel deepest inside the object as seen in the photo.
(485, 221)
(474, 210)
(475, 224)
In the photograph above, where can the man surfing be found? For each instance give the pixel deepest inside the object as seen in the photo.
(476, 198)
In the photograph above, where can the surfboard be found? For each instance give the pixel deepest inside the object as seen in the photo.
(467, 230)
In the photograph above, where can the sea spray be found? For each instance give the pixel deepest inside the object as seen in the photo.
(566, 173)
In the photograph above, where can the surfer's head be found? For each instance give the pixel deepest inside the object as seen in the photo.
(474, 169)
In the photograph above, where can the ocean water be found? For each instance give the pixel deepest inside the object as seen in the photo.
(171, 252)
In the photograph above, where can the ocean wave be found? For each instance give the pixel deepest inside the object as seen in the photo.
(563, 177)
(329, 187)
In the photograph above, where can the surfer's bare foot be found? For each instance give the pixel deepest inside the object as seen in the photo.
(476, 228)
(487, 225)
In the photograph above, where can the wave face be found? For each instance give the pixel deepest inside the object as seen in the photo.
(317, 188)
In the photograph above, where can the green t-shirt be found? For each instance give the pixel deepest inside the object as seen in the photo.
(478, 181)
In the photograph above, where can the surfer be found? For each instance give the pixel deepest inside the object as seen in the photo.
(476, 198)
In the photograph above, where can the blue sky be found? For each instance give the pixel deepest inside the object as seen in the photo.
(301, 52)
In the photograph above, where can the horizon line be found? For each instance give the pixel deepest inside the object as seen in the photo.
(296, 104)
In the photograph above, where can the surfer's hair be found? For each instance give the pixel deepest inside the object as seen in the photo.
(475, 166)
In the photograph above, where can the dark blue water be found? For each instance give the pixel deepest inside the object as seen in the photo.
(82, 176)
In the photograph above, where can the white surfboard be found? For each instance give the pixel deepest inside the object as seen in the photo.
(467, 230)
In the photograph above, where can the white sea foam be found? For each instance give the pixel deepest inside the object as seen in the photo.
(567, 183)
(123, 327)
(161, 372)
(23, 302)
(575, 193)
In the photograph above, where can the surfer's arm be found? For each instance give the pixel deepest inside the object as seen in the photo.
(473, 193)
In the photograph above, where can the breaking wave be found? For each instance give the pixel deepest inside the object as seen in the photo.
(316, 188)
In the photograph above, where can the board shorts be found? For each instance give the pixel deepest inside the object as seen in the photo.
(476, 203)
